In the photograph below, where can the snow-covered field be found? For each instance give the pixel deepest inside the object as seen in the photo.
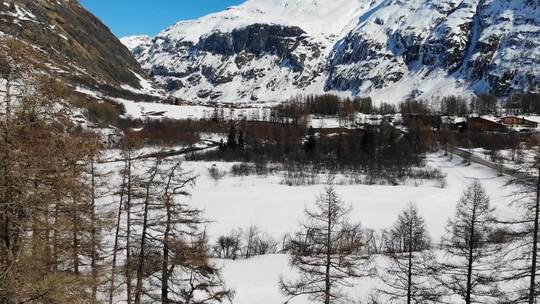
(142, 110)
(277, 209)
(255, 281)
(159, 110)
(238, 202)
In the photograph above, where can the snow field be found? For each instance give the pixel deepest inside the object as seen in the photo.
(238, 202)
(277, 209)
(255, 281)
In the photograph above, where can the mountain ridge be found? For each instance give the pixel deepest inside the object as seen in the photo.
(76, 46)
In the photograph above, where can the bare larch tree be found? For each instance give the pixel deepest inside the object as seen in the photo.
(469, 271)
(327, 252)
(409, 275)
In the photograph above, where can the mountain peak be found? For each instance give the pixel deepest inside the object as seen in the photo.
(132, 42)
(313, 16)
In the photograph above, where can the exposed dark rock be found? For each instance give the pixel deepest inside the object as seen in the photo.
(256, 39)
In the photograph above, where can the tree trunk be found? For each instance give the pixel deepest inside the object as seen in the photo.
(409, 273)
(116, 240)
(54, 257)
(140, 263)
(129, 276)
(328, 255)
(471, 252)
(75, 233)
(6, 168)
(93, 232)
(165, 268)
(532, 287)
(165, 263)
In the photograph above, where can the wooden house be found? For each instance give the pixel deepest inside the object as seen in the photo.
(485, 124)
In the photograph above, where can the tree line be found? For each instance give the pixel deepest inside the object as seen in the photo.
(375, 155)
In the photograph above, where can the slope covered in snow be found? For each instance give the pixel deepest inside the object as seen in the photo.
(256, 51)
(316, 17)
(266, 50)
(448, 45)
(132, 42)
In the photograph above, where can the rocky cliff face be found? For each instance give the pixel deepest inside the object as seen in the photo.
(75, 45)
(254, 60)
(476, 45)
(268, 50)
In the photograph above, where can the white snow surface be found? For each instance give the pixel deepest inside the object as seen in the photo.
(20, 13)
(147, 87)
(317, 17)
(255, 281)
(277, 209)
(133, 42)
(154, 110)
(238, 202)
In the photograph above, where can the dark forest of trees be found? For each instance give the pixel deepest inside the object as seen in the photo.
(382, 154)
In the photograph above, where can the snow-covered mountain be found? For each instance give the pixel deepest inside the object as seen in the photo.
(266, 50)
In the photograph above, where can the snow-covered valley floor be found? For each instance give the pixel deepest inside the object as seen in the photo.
(277, 209)
(238, 202)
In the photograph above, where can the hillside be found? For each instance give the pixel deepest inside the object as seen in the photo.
(71, 43)
(388, 49)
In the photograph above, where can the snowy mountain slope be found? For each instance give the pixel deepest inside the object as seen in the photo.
(508, 44)
(316, 17)
(255, 51)
(467, 40)
(268, 50)
(132, 42)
